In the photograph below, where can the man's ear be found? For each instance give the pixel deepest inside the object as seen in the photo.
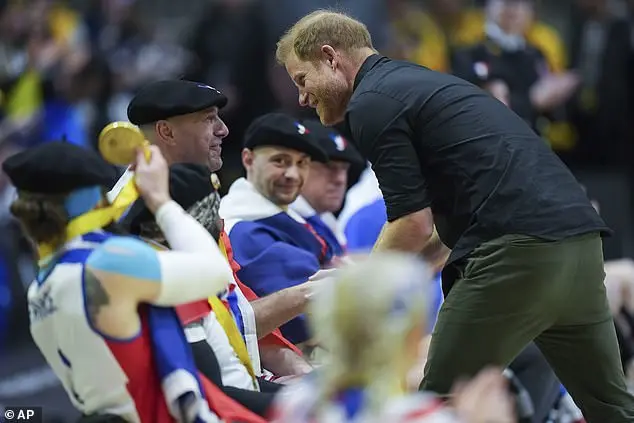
(247, 158)
(330, 56)
(165, 132)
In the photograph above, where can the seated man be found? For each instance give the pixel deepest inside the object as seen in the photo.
(182, 119)
(275, 247)
(325, 188)
(363, 215)
(226, 350)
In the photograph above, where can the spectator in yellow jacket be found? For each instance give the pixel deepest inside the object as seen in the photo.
(427, 36)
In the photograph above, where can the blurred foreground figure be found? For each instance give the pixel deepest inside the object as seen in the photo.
(373, 336)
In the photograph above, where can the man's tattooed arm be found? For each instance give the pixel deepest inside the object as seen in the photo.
(96, 295)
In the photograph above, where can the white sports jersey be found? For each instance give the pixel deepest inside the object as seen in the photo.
(81, 358)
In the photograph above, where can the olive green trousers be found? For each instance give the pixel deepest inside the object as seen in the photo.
(517, 289)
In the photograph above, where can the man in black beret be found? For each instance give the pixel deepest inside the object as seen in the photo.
(191, 188)
(275, 247)
(280, 130)
(158, 109)
(181, 118)
(325, 188)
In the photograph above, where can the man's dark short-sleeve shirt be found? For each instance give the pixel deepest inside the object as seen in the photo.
(437, 141)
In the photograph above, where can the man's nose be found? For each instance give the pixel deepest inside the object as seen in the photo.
(292, 172)
(340, 176)
(303, 99)
(221, 130)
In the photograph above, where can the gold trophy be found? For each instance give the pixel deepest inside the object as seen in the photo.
(119, 141)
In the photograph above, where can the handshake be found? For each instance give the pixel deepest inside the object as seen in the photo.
(323, 277)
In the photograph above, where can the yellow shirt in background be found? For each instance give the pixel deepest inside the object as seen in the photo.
(434, 43)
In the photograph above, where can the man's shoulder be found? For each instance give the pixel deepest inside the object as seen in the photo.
(245, 228)
(386, 72)
(400, 80)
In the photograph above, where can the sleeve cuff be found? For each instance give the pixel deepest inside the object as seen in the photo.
(396, 212)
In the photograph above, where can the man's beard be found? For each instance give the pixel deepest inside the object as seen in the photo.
(333, 106)
(214, 163)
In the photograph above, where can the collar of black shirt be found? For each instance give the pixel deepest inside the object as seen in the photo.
(365, 68)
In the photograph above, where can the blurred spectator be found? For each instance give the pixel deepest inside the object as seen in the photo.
(212, 59)
(426, 36)
(511, 68)
(20, 84)
(429, 37)
(602, 111)
(12, 246)
(547, 39)
(45, 42)
(449, 24)
(135, 53)
(213, 45)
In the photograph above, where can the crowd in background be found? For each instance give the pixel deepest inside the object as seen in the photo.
(69, 68)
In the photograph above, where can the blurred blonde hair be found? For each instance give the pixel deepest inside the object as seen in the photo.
(365, 318)
(320, 27)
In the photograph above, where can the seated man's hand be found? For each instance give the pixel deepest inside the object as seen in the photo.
(283, 362)
(323, 274)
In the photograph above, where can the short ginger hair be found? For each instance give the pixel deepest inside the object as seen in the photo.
(320, 27)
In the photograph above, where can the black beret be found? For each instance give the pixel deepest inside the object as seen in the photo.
(278, 129)
(58, 167)
(188, 184)
(334, 144)
(166, 99)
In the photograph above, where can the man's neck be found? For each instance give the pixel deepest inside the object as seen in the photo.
(169, 158)
(356, 61)
(310, 203)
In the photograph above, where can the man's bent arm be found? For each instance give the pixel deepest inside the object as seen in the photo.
(414, 233)
(435, 252)
(410, 233)
(280, 307)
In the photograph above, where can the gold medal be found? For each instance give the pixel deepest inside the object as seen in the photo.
(119, 141)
